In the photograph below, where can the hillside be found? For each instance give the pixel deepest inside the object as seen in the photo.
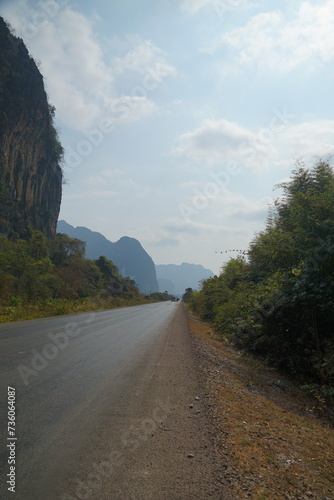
(126, 253)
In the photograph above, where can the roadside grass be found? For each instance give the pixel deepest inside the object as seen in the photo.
(271, 435)
(58, 307)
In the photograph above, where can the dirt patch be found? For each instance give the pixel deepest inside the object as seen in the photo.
(270, 442)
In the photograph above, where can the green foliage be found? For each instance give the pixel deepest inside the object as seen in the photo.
(63, 249)
(56, 147)
(280, 303)
(188, 295)
(39, 276)
(217, 291)
(159, 296)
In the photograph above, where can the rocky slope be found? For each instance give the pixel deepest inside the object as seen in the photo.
(30, 174)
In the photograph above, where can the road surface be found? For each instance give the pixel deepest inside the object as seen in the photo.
(108, 406)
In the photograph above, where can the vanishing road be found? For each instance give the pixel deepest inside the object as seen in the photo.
(108, 406)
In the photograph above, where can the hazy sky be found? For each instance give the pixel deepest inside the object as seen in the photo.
(178, 117)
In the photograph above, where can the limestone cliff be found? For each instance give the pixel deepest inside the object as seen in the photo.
(30, 174)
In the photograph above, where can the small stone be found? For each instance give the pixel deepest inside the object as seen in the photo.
(190, 455)
(191, 406)
(197, 398)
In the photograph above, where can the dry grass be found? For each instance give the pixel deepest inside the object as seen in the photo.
(273, 443)
(59, 307)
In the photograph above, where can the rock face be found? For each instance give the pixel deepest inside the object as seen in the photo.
(30, 153)
(127, 254)
(176, 278)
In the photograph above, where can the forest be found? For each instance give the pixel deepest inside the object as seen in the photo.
(276, 299)
(41, 276)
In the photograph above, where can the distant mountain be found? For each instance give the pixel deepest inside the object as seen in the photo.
(176, 278)
(127, 254)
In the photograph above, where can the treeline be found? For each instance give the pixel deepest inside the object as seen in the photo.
(41, 276)
(277, 300)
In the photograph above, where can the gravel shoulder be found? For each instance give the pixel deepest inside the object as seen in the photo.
(270, 439)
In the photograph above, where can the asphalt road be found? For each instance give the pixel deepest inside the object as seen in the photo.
(62, 368)
(91, 391)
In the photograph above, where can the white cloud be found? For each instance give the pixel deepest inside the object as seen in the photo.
(143, 57)
(79, 81)
(112, 173)
(221, 141)
(104, 177)
(179, 226)
(193, 6)
(309, 139)
(213, 140)
(176, 233)
(221, 7)
(91, 194)
(130, 108)
(236, 206)
(166, 242)
(217, 142)
(196, 229)
(269, 41)
(156, 236)
(123, 186)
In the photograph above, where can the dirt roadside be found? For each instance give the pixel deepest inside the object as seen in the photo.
(268, 439)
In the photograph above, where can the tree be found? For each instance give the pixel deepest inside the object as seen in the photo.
(107, 268)
(63, 248)
(186, 297)
(281, 302)
(300, 221)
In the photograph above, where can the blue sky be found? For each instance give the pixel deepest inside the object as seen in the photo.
(178, 117)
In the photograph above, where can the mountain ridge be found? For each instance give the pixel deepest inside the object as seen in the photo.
(177, 277)
(127, 254)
